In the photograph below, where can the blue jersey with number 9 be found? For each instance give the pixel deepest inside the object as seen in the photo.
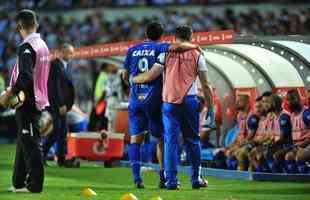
(139, 59)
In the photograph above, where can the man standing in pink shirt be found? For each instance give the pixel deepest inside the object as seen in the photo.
(30, 75)
(181, 105)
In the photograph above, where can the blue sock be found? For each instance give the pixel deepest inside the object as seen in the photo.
(162, 175)
(272, 166)
(135, 159)
(170, 162)
(302, 167)
(232, 163)
(280, 165)
(259, 169)
(266, 169)
(291, 167)
(194, 152)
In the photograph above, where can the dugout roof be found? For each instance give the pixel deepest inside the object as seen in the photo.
(301, 48)
(279, 70)
(238, 76)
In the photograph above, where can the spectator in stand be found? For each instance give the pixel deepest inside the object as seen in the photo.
(95, 27)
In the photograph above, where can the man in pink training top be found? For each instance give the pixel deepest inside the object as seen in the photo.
(30, 75)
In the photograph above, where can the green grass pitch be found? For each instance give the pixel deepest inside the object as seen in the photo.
(112, 183)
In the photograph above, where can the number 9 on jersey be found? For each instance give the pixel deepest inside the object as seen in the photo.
(143, 65)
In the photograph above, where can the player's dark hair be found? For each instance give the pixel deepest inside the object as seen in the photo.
(267, 94)
(26, 19)
(183, 32)
(103, 66)
(259, 98)
(294, 100)
(154, 30)
(292, 92)
(276, 103)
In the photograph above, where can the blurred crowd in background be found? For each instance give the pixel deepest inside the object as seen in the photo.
(98, 85)
(95, 28)
(53, 4)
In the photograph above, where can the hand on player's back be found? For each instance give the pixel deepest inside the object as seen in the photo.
(199, 49)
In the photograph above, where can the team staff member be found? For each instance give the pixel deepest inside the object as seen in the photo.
(30, 75)
(145, 99)
(61, 97)
(181, 105)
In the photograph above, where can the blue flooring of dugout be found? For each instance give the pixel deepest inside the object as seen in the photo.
(230, 174)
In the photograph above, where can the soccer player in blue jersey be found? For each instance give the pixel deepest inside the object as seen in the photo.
(145, 100)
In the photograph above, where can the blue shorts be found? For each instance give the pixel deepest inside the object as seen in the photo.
(183, 119)
(144, 118)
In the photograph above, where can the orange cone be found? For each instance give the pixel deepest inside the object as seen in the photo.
(129, 196)
(88, 192)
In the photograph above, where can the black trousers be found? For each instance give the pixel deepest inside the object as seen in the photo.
(58, 135)
(28, 167)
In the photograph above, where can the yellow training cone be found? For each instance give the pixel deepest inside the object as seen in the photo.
(129, 196)
(89, 192)
(156, 198)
